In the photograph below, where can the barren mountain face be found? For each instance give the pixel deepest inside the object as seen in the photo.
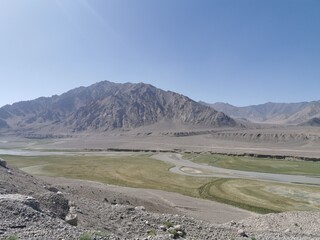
(285, 113)
(106, 106)
(314, 122)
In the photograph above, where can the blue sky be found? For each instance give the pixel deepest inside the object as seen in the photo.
(237, 51)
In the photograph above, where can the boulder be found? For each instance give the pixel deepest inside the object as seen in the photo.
(72, 219)
(57, 204)
(3, 163)
(26, 200)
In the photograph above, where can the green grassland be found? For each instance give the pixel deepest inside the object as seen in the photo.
(258, 164)
(262, 196)
(141, 171)
(133, 171)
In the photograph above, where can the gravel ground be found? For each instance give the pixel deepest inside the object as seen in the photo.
(153, 200)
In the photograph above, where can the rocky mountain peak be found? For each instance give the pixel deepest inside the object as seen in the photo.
(106, 106)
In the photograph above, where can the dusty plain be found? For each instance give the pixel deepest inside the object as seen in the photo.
(257, 139)
(190, 161)
(213, 175)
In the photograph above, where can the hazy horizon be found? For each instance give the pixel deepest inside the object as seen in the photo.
(238, 52)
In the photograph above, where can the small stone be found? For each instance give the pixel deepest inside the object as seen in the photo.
(129, 208)
(163, 228)
(140, 208)
(72, 219)
(53, 189)
(242, 233)
(180, 233)
(233, 223)
(287, 230)
(177, 227)
(79, 210)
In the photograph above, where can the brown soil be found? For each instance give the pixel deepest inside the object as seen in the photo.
(152, 200)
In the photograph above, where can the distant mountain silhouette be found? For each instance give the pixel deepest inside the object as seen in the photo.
(314, 122)
(106, 106)
(285, 113)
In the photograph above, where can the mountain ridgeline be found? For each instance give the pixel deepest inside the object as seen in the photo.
(106, 106)
(304, 113)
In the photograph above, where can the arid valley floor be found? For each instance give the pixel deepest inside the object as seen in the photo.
(214, 184)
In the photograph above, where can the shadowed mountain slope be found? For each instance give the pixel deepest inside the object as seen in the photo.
(313, 122)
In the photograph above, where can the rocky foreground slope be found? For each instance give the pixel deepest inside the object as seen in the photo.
(33, 209)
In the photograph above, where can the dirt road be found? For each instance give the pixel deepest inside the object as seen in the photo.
(211, 171)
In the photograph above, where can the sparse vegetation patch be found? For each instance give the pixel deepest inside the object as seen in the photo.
(295, 167)
(141, 171)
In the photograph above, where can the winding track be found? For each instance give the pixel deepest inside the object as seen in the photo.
(180, 166)
(211, 171)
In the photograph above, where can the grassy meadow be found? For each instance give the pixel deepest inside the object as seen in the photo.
(252, 164)
(141, 171)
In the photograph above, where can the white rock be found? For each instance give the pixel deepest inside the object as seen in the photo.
(140, 208)
(72, 219)
(180, 233)
(242, 233)
(177, 227)
(163, 228)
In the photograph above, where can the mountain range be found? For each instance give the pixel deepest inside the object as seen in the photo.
(107, 106)
(303, 113)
